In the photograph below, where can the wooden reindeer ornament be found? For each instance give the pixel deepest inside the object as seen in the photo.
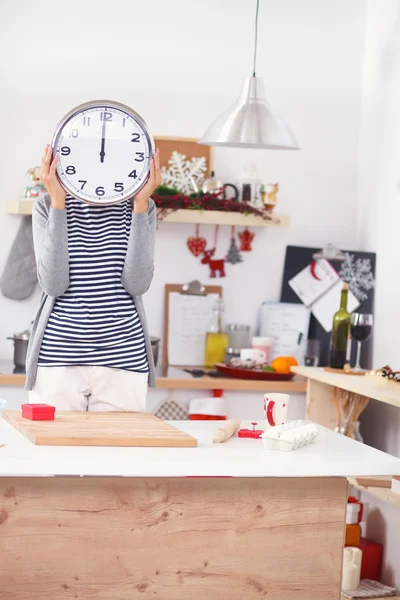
(217, 267)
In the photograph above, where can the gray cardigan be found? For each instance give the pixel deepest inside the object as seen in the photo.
(50, 237)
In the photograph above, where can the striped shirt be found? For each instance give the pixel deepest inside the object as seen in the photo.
(95, 321)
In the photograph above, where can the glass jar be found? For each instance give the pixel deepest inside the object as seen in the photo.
(239, 336)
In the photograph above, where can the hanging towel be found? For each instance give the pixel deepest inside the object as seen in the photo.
(19, 276)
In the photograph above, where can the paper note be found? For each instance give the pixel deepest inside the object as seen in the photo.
(287, 325)
(189, 318)
(319, 287)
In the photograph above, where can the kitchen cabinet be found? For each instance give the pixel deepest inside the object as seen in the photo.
(225, 521)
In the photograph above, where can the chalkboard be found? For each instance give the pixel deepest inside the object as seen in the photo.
(358, 270)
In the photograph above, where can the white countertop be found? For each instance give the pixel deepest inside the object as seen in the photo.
(332, 455)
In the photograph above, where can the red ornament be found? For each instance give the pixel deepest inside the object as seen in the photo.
(216, 266)
(197, 244)
(246, 237)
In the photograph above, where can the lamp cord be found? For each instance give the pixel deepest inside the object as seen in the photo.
(255, 39)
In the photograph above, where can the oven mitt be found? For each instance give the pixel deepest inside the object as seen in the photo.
(19, 276)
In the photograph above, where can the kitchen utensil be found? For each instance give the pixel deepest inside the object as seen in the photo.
(254, 433)
(21, 341)
(258, 356)
(252, 374)
(100, 429)
(275, 409)
(155, 347)
(225, 431)
(200, 373)
(265, 345)
(239, 335)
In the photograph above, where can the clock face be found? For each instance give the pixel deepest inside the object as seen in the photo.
(104, 151)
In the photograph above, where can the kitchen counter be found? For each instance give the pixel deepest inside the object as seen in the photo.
(176, 378)
(332, 455)
(225, 521)
(323, 387)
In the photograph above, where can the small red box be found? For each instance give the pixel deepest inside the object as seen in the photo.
(38, 412)
(371, 562)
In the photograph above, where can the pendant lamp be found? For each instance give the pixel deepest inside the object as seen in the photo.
(251, 122)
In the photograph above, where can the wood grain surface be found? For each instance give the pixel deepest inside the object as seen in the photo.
(100, 429)
(171, 539)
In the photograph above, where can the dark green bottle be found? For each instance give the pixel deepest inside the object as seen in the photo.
(340, 332)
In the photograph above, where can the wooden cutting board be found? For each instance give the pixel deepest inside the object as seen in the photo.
(100, 429)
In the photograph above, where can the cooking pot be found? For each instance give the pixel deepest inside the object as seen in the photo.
(21, 341)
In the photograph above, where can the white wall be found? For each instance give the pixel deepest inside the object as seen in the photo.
(378, 231)
(179, 64)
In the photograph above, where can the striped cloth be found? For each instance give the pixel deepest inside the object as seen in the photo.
(95, 321)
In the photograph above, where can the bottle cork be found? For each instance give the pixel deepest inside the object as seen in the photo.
(345, 286)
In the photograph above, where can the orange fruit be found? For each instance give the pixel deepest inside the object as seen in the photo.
(281, 365)
(292, 361)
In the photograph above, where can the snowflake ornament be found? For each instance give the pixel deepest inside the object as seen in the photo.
(185, 175)
(357, 272)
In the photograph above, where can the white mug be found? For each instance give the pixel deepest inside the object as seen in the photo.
(255, 354)
(275, 409)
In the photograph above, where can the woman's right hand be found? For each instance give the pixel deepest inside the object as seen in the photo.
(49, 179)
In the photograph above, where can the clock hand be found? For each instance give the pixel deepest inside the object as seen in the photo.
(103, 139)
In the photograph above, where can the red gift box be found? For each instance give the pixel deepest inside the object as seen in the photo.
(371, 562)
(38, 412)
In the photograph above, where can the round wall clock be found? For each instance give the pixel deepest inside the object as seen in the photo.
(104, 151)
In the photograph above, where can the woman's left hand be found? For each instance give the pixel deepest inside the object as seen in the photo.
(141, 202)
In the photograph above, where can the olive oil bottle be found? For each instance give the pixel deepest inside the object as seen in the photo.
(340, 332)
(216, 341)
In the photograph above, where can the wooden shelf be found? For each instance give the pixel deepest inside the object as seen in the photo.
(217, 217)
(209, 217)
(368, 386)
(174, 378)
(20, 207)
(383, 493)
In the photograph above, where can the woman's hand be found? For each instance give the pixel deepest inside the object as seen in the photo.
(141, 203)
(49, 179)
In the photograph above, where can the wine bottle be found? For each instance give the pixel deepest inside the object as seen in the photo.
(340, 332)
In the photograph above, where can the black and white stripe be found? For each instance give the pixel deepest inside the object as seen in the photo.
(95, 321)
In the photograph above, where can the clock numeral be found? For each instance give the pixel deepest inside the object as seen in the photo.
(133, 174)
(105, 116)
(136, 137)
(86, 121)
(70, 170)
(99, 191)
(74, 133)
(118, 187)
(83, 182)
(140, 155)
(65, 150)
(123, 122)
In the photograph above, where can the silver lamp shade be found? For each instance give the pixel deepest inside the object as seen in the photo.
(250, 123)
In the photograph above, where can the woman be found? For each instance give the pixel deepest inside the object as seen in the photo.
(89, 347)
